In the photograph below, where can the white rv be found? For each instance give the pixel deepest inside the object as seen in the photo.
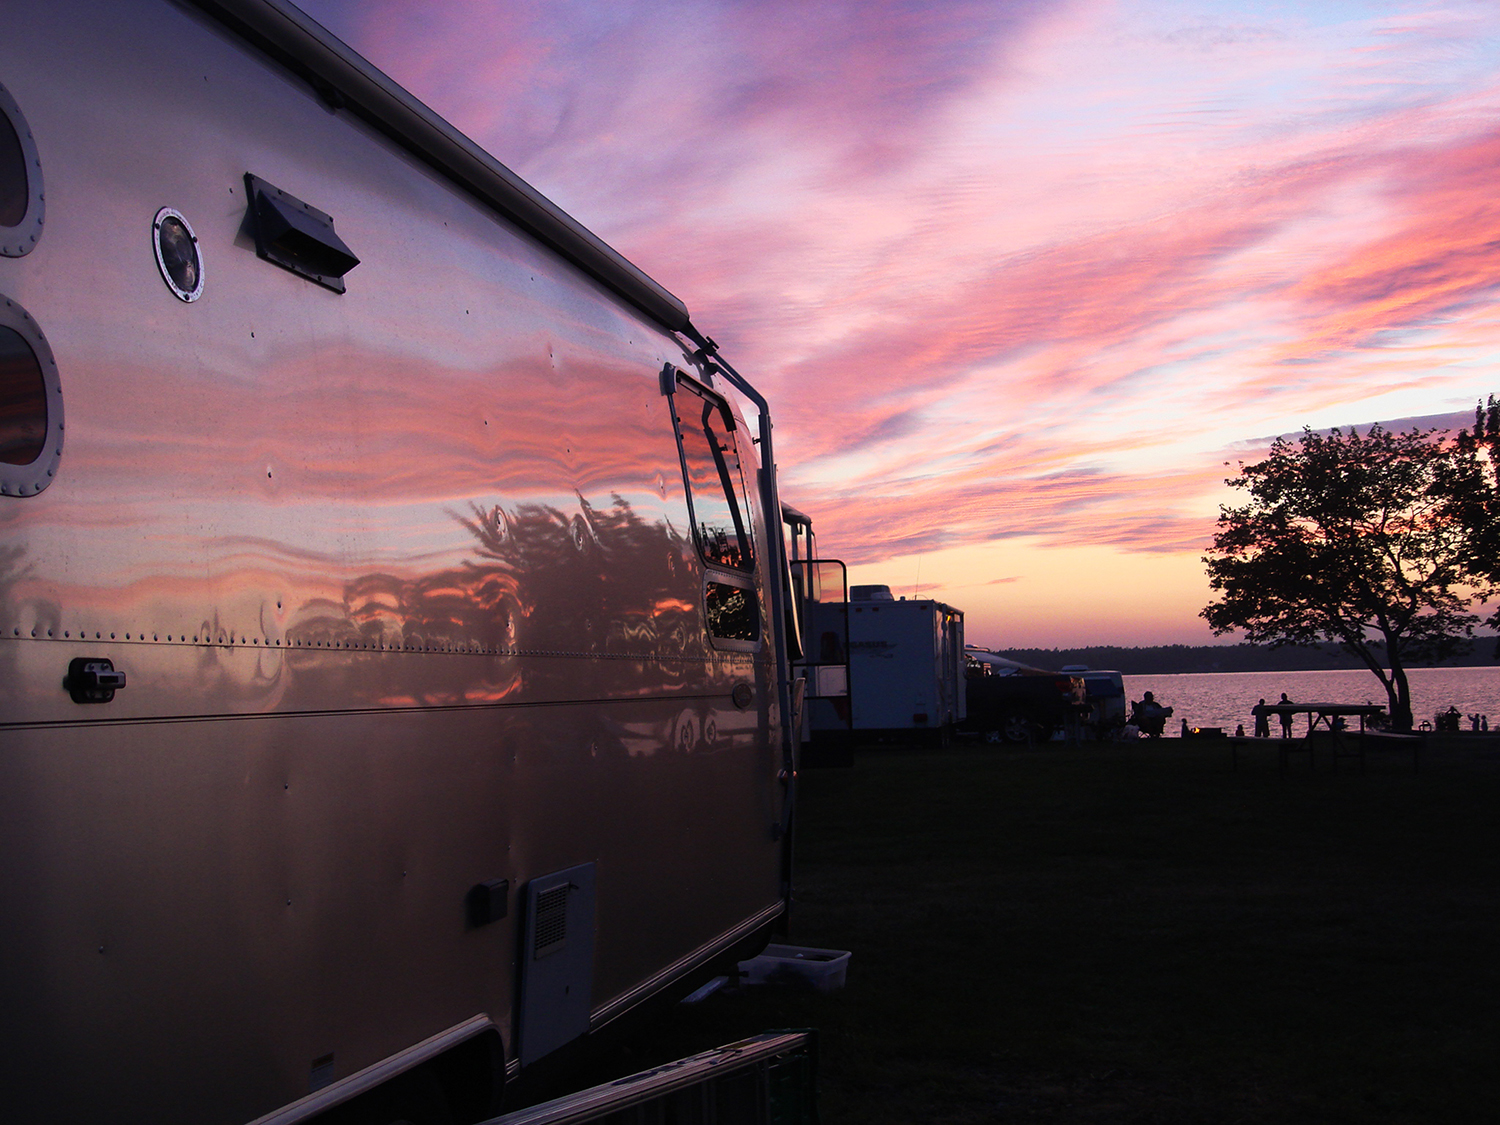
(392, 680)
(906, 668)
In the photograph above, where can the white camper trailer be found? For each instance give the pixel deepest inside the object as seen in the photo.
(392, 687)
(906, 667)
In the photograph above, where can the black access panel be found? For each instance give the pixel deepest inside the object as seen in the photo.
(557, 961)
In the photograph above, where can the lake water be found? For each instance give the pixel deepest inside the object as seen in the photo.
(1224, 699)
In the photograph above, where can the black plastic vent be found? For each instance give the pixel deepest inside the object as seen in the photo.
(297, 236)
(487, 902)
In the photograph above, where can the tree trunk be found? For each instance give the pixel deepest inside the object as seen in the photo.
(1398, 691)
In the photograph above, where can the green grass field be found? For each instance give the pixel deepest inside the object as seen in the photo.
(1137, 934)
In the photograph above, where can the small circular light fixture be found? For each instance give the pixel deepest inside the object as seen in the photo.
(177, 254)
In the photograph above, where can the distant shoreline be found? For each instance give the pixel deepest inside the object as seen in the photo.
(1175, 660)
(1298, 671)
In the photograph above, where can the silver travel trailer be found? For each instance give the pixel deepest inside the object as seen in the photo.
(392, 680)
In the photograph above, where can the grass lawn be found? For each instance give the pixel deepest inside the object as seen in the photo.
(1136, 934)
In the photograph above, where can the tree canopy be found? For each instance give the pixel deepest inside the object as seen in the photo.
(1375, 542)
(1472, 485)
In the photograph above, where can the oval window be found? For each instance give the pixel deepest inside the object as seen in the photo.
(23, 401)
(20, 182)
(13, 177)
(31, 424)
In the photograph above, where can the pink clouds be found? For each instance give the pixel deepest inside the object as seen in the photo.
(1016, 271)
(1444, 257)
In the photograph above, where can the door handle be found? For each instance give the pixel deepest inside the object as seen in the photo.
(93, 680)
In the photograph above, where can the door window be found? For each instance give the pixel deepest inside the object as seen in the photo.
(706, 435)
(715, 481)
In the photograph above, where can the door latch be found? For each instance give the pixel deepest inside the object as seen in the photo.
(92, 680)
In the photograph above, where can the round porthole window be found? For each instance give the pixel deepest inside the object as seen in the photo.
(177, 254)
(31, 410)
(21, 202)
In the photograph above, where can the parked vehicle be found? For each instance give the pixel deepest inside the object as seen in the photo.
(1104, 692)
(393, 687)
(906, 667)
(1013, 702)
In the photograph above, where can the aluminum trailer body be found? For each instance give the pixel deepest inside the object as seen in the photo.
(390, 669)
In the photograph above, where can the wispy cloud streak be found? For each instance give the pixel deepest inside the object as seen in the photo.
(1020, 270)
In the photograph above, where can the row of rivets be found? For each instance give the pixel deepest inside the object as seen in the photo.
(476, 650)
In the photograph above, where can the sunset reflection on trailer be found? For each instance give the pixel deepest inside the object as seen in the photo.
(393, 688)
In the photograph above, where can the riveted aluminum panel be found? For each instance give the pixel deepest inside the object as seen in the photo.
(403, 584)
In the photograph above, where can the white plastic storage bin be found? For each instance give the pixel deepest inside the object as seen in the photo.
(823, 969)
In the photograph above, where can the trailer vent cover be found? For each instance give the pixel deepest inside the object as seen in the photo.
(557, 962)
(297, 236)
(551, 921)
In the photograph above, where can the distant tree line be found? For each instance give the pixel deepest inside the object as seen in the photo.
(1165, 660)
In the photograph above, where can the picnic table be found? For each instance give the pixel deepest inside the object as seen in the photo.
(1326, 713)
(1332, 717)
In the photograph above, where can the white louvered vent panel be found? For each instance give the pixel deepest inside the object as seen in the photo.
(551, 921)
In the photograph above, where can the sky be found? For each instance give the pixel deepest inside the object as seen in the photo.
(1022, 281)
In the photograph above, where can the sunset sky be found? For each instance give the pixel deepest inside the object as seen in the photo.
(1018, 278)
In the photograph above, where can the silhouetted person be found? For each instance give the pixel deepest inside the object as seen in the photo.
(1286, 717)
(1262, 720)
(1149, 715)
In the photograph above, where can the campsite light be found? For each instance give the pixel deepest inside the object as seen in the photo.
(177, 254)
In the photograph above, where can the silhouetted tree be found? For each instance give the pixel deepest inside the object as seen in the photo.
(1357, 540)
(1472, 485)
